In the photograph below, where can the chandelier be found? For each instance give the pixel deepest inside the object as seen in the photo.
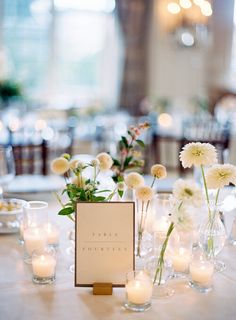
(189, 20)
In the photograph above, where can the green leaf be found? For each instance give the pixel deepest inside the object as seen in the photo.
(115, 179)
(100, 191)
(129, 132)
(124, 140)
(98, 199)
(66, 211)
(140, 143)
(116, 162)
(127, 161)
(120, 179)
(120, 192)
(82, 196)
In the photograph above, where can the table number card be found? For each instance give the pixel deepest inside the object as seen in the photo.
(104, 242)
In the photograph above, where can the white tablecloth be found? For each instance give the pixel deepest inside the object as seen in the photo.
(23, 300)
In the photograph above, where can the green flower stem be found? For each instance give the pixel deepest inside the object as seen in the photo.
(140, 232)
(217, 196)
(59, 200)
(160, 262)
(94, 174)
(153, 181)
(206, 190)
(109, 198)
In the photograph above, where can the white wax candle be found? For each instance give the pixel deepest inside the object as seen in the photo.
(181, 260)
(201, 272)
(44, 266)
(52, 234)
(34, 239)
(139, 291)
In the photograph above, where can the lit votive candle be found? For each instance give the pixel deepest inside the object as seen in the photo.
(180, 260)
(44, 266)
(201, 273)
(138, 291)
(52, 234)
(34, 239)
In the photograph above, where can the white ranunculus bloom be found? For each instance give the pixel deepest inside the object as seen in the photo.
(134, 180)
(188, 192)
(158, 171)
(105, 161)
(221, 175)
(60, 165)
(181, 217)
(197, 154)
(144, 193)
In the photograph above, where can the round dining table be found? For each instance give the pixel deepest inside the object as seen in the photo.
(21, 299)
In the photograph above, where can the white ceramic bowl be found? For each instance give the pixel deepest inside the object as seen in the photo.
(10, 211)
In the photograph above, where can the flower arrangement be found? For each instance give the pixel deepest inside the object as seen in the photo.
(78, 187)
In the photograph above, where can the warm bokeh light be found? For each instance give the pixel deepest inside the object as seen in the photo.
(186, 4)
(198, 2)
(40, 124)
(187, 39)
(14, 124)
(206, 9)
(165, 120)
(1, 125)
(173, 7)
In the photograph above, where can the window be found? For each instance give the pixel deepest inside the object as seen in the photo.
(64, 50)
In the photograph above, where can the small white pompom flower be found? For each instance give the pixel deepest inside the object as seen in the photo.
(134, 180)
(197, 154)
(73, 164)
(105, 161)
(220, 175)
(144, 193)
(158, 171)
(95, 163)
(60, 165)
(121, 186)
(188, 192)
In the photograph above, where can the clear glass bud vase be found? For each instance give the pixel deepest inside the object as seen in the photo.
(212, 236)
(144, 239)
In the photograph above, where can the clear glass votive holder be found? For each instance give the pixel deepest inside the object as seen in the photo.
(44, 266)
(34, 239)
(181, 259)
(53, 234)
(139, 289)
(35, 213)
(201, 275)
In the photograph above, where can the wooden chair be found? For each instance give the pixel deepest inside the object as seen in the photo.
(165, 147)
(31, 158)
